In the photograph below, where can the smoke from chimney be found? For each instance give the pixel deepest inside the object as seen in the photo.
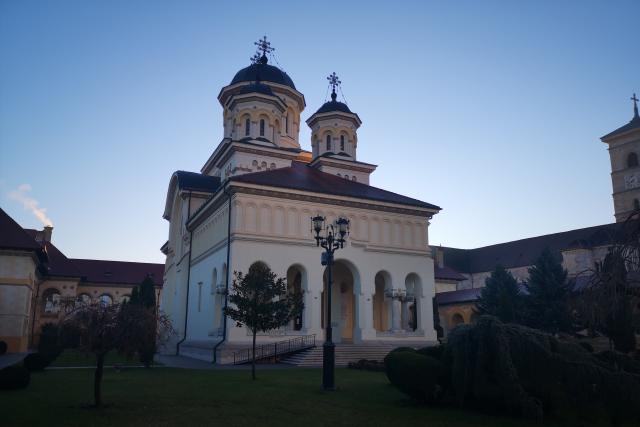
(21, 195)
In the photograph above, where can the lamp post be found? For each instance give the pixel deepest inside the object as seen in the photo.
(331, 237)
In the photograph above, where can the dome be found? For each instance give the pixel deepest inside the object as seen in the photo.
(263, 72)
(257, 87)
(334, 106)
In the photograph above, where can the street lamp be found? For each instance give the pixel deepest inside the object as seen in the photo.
(331, 237)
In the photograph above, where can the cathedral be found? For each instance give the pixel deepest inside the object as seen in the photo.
(253, 201)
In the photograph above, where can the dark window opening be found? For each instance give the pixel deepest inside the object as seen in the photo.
(632, 160)
(247, 127)
(328, 142)
(261, 127)
(341, 142)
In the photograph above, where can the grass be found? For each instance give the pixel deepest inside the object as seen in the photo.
(76, 358)
(168, 397)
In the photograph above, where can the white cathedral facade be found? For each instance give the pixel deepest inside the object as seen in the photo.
(253, 201)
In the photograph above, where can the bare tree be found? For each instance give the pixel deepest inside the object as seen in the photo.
(608, 300)
(98, 329)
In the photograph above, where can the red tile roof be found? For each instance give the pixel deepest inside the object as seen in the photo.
(12, 236)
(300, 176)
(118, 272)
(56, 264)
(459, 296)
(447, 273)
(524, 252)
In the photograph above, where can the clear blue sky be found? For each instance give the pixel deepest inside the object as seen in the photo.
(491, 110)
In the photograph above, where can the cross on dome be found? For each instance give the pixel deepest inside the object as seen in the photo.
(635, 105)
(265, 47)
(334, 81)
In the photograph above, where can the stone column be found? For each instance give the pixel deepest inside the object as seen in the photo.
(395, 314)
(405, 314)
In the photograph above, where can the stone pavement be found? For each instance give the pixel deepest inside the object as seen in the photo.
(11, 359)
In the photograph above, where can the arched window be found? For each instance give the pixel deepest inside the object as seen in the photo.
(105, 300)
(272, 166)
(341, 142)
(247, 127)
(51, 301)
(328, 142)
(353, 178)
(261, 127)
(632, 160)
(83, 300)
(286, 124)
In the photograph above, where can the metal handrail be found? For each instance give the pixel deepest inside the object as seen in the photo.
(275, 349)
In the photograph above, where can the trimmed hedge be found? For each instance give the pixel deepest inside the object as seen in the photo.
(3, 347)
(435, 351)
(14, 377)
(509, 368)
(36, 362)
(415, 375)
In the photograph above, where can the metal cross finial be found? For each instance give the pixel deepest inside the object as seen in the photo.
(264, 46)
(635, 105)
(333, 81)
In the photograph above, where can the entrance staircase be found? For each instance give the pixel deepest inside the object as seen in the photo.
(345, 353)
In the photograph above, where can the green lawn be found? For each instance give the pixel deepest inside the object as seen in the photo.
(76, 358)
(168, 397)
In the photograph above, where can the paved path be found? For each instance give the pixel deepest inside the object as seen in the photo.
(11, 359)
(189, 363)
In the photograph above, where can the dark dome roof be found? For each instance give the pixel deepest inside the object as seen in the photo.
(257, 87)
(263, 72)
(334, 106)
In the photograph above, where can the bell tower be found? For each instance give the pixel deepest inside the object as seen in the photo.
(334, 138)
(624, 152)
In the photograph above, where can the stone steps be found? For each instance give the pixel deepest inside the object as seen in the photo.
(345, 353)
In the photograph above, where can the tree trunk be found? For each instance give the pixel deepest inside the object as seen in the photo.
(97, 380)
(253, 357)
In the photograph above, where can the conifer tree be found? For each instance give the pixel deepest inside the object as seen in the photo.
(546, 307)
(501, 297)
(144, 296)
(260, 301)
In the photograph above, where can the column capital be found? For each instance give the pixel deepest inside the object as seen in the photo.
(395, 293)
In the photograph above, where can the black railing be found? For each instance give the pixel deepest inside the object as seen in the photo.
(275, 349)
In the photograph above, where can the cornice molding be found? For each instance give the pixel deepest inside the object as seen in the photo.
(331, 200)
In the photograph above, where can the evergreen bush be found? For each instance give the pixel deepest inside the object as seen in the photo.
(14, 377)
(415, 375)
(509, 368)
(434, 351)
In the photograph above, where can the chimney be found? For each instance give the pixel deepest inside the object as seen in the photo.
(439, 257)
(46, 233)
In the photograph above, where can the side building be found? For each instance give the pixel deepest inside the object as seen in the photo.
(461, 273)
(38, 283)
